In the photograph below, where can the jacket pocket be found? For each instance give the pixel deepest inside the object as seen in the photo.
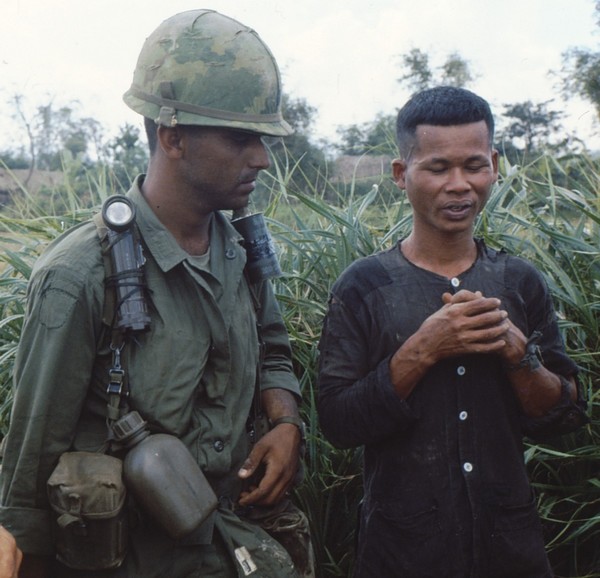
(516, 543)
(400, 541)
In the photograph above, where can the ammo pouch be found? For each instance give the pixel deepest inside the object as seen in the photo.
(87, 493)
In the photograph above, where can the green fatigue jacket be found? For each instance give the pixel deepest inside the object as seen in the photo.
(191, 375)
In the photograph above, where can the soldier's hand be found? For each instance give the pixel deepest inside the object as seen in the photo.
(10, 555)
(275, 458)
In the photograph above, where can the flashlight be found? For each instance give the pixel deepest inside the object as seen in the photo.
(261, 258)
(127, 258)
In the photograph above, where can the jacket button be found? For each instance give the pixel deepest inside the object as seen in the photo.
(230, 254)
(219, 446)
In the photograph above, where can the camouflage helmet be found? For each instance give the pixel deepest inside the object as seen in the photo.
(203, 68)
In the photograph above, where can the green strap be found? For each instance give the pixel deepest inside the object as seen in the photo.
(113, 407)
(108, 313)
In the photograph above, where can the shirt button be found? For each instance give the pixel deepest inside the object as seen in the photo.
(463, 415)
(219, 446)
(461, 370)
(468, 467)
(230, 254)
(455, 281)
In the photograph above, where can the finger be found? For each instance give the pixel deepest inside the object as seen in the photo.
(263, 494)
(270, 489)
(482, 306)
(485, 319)
(247, 469)
(462, 296)
(252, 462)
(495, 337)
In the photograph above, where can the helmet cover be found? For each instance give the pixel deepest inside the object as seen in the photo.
(202, 68)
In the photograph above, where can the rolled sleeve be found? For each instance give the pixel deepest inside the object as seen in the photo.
(277, 370)
(566, 417)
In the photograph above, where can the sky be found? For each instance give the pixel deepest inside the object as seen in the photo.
(342, 56)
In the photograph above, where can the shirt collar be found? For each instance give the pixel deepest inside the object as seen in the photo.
(164, 248)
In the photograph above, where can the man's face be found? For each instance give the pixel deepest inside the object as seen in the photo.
(220, 165)
(448, 177)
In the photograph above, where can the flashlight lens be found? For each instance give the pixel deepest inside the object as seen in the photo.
(118, 213)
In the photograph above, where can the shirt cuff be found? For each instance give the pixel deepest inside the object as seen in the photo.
(566, 417)
(32, 529)
(280, 380)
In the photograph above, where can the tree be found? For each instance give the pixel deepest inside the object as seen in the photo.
(297, 151)
(378, 136)
(456, 71)
(51, 131)
(530, 129)
(418, 74)
(127, 156)
(581, 72)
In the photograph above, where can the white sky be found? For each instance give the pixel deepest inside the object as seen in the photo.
(342, 56)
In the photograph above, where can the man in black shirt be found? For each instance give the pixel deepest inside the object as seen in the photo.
(437, 356)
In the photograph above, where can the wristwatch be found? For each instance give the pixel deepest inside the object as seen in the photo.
(294, 421)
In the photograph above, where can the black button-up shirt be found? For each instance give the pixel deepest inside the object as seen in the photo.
(446, 489)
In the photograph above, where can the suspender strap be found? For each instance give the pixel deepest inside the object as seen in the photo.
(117, 385)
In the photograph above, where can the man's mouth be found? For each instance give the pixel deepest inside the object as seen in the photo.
(248, 179)
(458, 209)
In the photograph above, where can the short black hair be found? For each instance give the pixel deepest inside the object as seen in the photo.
(440, 106)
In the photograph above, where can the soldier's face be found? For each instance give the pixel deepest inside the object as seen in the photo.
(221, 165)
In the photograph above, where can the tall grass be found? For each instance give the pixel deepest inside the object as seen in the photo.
(547, 211)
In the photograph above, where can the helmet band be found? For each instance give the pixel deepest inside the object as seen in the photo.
(174, 105)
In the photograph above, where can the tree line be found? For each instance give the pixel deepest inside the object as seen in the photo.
(57, 134)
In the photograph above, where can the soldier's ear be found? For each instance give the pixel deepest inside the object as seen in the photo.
(170, 140)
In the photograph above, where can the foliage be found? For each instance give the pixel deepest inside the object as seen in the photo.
(581, 72)
(299, 151)
(532, 124)
(52, 130)
(547, 211)
(376, 137)
(528, 129)
(125, 156)
(559, 230)
(419, 75)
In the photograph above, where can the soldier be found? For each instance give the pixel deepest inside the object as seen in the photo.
(209, 89)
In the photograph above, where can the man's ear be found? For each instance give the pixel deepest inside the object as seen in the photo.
(399, 173)
(495, 157)
(170, 141)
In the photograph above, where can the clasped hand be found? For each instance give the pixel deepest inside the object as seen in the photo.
(468, 323)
